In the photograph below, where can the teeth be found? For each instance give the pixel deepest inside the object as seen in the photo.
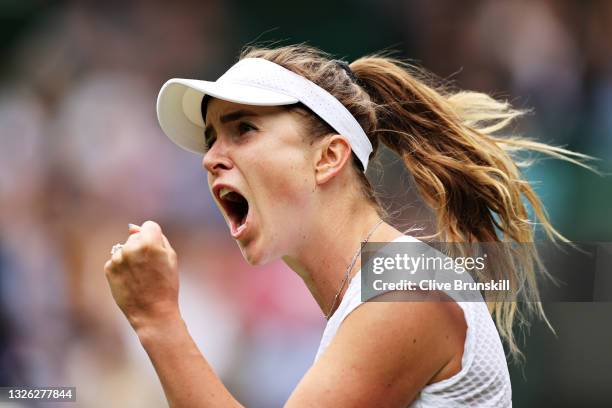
(224, 191)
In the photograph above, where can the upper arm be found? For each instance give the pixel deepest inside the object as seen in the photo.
(383, 354)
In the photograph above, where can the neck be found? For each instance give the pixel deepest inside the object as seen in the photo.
(326, 252)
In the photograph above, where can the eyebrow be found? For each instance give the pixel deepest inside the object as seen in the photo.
(228, 117)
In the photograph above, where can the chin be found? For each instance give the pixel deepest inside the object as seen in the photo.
(254, 255)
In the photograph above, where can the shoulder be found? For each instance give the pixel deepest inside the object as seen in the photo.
(425, 337)
(391, 350)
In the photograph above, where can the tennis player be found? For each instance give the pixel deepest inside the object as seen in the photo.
(286, 136)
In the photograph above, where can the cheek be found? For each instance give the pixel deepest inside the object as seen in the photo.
(286, 183)
(209, 182)
(289, 185)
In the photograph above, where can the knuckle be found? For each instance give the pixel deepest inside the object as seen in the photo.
(130, 247)
(127, 254)
(146, 247)
(151, 224)
(111, 268)
(141, 248)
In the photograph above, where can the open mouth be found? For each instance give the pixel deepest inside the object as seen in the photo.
(236, 207)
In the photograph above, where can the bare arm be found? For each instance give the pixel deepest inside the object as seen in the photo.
(187, 378)
(143, 278)
(383, 353)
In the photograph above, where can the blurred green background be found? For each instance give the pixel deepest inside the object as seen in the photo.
(81, 155)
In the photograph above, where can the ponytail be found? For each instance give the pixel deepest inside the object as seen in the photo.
(466, 173)
(463, 166)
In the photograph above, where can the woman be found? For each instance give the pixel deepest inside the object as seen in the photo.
(287, 134)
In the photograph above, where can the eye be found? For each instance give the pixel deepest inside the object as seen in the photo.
(245, 127)
(209, 141)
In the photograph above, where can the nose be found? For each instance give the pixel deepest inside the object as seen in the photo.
(215, 159)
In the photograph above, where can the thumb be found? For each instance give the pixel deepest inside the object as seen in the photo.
(151, 232)
(166, 243)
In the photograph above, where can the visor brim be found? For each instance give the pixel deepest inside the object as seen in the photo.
(179, 103)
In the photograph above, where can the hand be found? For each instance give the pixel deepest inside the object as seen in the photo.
(143, 276)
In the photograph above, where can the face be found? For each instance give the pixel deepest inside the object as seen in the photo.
(261, 175)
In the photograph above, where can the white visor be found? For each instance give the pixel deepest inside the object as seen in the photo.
(251, 81)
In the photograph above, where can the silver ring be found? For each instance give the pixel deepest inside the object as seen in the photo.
(115, 248)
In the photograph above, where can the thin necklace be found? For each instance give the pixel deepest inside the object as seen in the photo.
(350, 267)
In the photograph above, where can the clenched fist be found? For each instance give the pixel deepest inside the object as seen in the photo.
(143, 276)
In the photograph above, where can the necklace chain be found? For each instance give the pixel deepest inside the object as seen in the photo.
(350, 267)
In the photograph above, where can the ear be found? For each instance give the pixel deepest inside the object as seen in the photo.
(334, 153)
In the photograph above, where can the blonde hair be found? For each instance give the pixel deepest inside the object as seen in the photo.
(450, 142)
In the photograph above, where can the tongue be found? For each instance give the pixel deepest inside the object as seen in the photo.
(236, 231)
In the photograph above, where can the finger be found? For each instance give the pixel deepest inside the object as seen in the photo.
(132, 243)
(133, 236)
(169, 250)
(150, 232)
(133, 228)
(117, 257)
(109, 268)
(166, 243)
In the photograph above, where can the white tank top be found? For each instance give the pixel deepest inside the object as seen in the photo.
(483, 381)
